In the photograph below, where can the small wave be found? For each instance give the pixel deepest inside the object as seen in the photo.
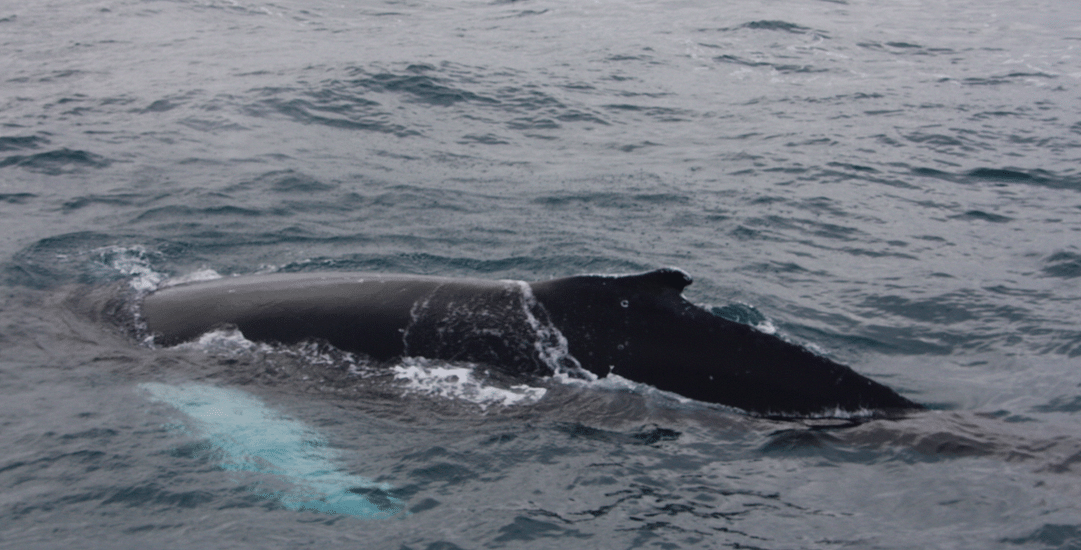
(109, 200)
(610, 200)
(980, 215)
(1066, 265)
(1008, 175)
(90, 258)
(1051, 535)
(55, 163)
(532, 123)
(783, 26)
(661, 114)
(160, 106)
(745, 314)
(903, 48)
(1061, 404)
(946, 309)
(483, 139)
(331, 106)
(420, 87)
(16, 198)
(645, 436)
(785, 68)
(14, 143)
(369, 99)
(191, 212)
(290, 181)
(769, 25)
(1002, 174)
(1010, 78)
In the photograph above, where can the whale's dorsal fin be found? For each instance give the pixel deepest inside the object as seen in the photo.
(662, 279)
(659, 281)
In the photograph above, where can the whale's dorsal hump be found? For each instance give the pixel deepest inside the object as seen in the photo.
(665, 278)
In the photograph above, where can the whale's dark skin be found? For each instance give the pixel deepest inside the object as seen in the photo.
(636, 326)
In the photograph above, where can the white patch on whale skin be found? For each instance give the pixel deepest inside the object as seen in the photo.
(248, 436)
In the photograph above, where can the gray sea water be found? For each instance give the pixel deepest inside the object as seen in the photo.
(895, 185)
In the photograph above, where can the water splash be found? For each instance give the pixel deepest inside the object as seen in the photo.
(133, 262)
(251, 437)
(441, 379)
(550, 344)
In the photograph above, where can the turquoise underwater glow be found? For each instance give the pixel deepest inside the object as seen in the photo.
(249, 436)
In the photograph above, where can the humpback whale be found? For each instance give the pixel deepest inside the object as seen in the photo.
(636, 326)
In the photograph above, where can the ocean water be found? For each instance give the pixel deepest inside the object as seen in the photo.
(895, 185)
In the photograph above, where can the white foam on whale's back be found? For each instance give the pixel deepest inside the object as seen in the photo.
(193, 277)
(550, 344)
(460, 382)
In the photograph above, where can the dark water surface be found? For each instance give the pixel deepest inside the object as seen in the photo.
(895, 185)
